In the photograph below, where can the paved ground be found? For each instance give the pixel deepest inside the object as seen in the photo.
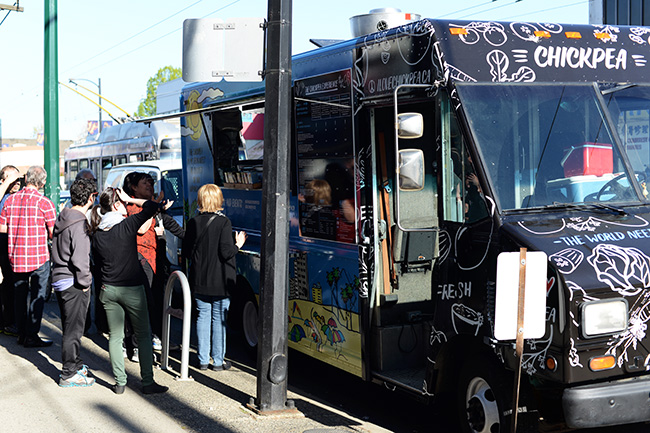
(31, 401)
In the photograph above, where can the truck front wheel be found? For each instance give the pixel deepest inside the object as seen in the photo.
(482, 399)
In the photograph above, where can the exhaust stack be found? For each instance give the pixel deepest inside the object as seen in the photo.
(380, 19)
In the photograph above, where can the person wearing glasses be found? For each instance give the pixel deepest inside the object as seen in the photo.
(114, 248)
(72, 279)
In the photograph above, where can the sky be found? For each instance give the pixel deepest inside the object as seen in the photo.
(124, 43)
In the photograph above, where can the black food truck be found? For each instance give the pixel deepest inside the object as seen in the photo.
(419, 155)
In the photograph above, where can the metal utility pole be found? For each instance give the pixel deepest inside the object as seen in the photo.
(16, 7)
(272, 350)
(51, 102)
(99, 90)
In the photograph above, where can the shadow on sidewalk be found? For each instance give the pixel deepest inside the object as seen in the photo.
(186, 404)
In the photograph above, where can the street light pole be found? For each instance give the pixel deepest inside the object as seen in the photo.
(51, 102)
(272, 351)
(99, 93)
(99, 88)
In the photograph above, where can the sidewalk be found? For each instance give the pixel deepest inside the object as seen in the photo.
(31, 400)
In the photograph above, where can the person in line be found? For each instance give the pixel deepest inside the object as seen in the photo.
(150, 238)
(96, 314)
(72, 279)
(28, 219)
(209, 247)
(114, 249)
(86, 173)
(10, 178)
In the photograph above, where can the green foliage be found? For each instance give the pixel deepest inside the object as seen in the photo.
(148, 105)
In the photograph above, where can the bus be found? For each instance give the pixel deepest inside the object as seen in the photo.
(122, 143)
(420, 155)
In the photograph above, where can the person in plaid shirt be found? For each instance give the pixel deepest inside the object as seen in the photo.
(28, 219)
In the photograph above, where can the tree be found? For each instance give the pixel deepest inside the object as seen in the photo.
(148, 105)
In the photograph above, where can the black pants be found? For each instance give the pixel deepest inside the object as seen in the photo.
(73, 304)
(154, 298)
(7, 304)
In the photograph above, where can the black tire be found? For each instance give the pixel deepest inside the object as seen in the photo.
(244, 316)
(249, 324)
(484, 394)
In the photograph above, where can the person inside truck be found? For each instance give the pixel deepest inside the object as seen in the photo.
(340, 177)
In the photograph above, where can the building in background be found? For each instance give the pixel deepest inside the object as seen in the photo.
(620, 12)
(25, 152)
(168, 96)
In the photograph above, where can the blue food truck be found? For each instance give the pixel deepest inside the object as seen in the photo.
(421, 153)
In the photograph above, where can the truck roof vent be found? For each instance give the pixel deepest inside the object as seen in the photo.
(379, 20)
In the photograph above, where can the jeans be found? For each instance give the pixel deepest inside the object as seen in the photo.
(30, 289)
(211, 328)
(119, 301)
(73, 304)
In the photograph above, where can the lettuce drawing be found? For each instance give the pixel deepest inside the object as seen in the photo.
(624, 270)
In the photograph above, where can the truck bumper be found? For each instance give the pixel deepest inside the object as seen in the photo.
(610, 403)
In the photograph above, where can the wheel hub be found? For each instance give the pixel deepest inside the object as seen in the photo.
(482, 407)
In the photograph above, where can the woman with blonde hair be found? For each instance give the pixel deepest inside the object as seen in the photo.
(210, 248)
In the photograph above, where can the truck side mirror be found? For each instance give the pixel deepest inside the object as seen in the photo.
(411, 170)
(410, 125)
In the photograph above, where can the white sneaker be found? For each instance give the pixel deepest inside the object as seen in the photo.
(157, 344)
(135, 357)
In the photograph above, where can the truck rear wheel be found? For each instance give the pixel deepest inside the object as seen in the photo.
(249, 319)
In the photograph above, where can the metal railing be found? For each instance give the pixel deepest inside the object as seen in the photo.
(186, 318)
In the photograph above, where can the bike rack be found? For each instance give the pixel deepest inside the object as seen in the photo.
(187, 313)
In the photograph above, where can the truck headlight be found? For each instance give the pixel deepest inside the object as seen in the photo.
(604, 317)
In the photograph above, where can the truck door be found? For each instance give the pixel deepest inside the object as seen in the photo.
(407, 222)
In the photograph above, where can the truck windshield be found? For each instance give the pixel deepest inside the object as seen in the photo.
(547, 145)
(629, 106)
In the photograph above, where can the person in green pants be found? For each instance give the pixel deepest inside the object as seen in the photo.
(114, 249)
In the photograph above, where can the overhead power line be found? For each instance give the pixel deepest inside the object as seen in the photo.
(16, 7)
(153, 40)
(466, 9)
(491, 9)
(548, 9)
(134, 35)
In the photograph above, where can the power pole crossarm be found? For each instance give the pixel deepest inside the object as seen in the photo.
(15, 7)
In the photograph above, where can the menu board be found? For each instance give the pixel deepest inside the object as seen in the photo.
(325, 150)
(324, 115)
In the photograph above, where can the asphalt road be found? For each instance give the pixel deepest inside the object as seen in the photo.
(392, 410)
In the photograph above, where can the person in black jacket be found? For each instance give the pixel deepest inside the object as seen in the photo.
(114, 248)
(209, 246)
